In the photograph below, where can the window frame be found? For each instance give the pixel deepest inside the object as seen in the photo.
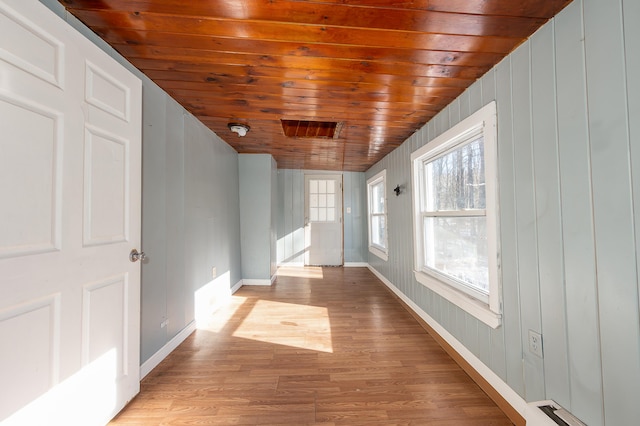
(486, 309)
(379, 251)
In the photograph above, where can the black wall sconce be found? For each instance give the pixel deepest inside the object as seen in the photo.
(398, 189)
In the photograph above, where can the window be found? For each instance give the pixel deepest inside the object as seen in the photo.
(377, 191)
(455, 223)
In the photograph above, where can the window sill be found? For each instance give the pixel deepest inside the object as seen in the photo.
(381, 254)
(472, 306)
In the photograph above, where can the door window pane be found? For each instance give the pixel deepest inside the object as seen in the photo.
(331, 200)
(322, 200)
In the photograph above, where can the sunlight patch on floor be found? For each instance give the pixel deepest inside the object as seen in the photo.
(223, 316)
(300, 326)
(301, 272)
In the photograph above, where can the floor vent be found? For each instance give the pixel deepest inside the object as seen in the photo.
(548, 413)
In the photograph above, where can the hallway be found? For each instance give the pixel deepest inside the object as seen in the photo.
(328, 346)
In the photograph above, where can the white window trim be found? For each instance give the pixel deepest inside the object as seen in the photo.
(381, 252)
(489, 313)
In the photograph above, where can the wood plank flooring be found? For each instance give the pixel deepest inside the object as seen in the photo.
(322, 346)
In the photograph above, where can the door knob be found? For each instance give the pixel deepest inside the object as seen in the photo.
(134, 256)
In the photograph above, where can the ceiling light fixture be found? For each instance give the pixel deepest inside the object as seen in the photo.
(239, 128)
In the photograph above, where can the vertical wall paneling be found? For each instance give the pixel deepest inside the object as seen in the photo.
(355, 222)
(280, 225)
(613, 210)
(577, 220)
(488, 87)
(465, 109)
(174, 263)
(154, 279)
(508, 235)
(548, 215)
(470, 329)
(631, 10)
(273, 213)
(199, 226)
(347, 216)
(293, 250)
(256, 224)
(526, 216)
(454, 115)
(297, 221)
(475, 97)
(290, 246)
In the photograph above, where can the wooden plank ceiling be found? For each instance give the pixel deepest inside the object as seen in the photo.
(380, 68)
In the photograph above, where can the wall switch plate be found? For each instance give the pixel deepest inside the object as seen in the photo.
(348, 210)
(214, 272)
(535, 343)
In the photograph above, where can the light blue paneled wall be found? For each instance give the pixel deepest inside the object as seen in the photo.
(190, 208)
(290, 230)
(569, 199)
(258, 195)
(355, 217)
(290, 223)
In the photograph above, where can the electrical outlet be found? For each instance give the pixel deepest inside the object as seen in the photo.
(535, 343)
(164, 323)
(214, 272)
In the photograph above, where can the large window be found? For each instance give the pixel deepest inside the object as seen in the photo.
(378, 214)
(455, 221)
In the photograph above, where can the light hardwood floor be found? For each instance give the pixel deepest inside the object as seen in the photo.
(322, 346)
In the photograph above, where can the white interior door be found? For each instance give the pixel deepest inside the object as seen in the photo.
(70, 139)
(323, 220)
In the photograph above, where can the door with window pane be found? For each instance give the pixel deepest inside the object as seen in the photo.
(323, 220)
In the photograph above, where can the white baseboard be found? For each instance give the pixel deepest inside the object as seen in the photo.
(295, 264)
(356, 264)
(164, 351)
(236, 287)
(516, 401)
(256, 282)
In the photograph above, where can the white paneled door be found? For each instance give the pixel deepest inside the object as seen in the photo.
(323, 220)
(70, 136)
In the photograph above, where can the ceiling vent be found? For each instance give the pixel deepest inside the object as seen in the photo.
(311, 129)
